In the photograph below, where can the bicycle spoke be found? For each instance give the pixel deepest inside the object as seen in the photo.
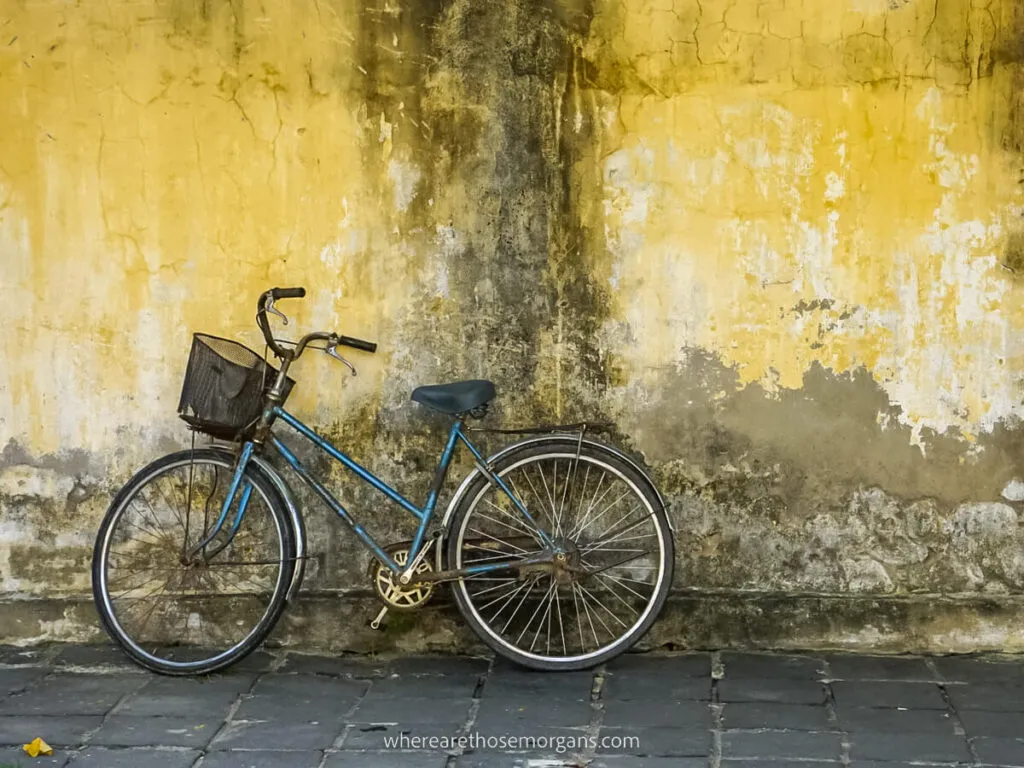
(536, 494)
(523, 500)
(519, 527)
(590, 618)
(504, 583)
(581, 526)
(520, 605)
(602, 606)
(561, 626)
(153, 516)
(583, 495)
(510, 595)
(175, 512)
(604, 539)
(529, 621)
(499, 541)
(591, 521)
(619, 581)
(551, 499)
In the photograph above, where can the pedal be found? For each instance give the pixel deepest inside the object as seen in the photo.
(375, 624)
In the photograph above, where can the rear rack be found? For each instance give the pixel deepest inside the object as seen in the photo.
(583, 426)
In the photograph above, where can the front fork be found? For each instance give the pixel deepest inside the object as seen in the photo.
(201, 550)
(262, 431)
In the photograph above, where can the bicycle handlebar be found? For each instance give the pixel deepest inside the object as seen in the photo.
(266, 303)
(366, 346)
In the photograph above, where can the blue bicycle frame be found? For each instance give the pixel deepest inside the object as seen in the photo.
(424, 515)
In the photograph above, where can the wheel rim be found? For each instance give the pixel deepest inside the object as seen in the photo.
(547, 618)
(151, 597)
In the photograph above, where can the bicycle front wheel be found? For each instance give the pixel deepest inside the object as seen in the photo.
(175, 609)
(615, 556)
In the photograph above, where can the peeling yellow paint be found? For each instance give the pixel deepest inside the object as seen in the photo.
(818, 185)
(154, 180)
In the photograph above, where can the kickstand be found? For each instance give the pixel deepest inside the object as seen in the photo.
(375, 624)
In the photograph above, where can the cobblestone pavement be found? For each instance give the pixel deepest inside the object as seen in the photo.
(723, 710)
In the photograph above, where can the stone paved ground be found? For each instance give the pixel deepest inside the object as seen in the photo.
(723, 710)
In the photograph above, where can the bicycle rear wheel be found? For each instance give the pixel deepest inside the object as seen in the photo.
(182, 615)
(616, 549)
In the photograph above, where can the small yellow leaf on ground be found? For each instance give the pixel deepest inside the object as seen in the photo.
(38, 747)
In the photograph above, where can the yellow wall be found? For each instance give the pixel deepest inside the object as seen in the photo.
(796, 182)
(159, 170)
(734, 228)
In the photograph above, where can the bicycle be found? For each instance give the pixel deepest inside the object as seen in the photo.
(200, 552)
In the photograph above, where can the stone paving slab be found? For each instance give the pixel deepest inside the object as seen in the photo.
(99, 757)
(15, 656)
(999, 751)
(779, 690)
(757, 714)
(59, 730)
(381, 736)
(645, 686)
(695, 665)
(411, 710)
(792, 744)
(273, 735)
(307, 664)
(887, 693)
(988, 697)
(649, 762)
(240, 759)
(170, 696)
(1007, 725)
(878, 721)
(135, 731)
(759, 665)
(15, 756)
(387, 760)
(879, 668)
(978, 669)
(287, 699)
(71, 694)
(713, 710)
(910, 747)
(18, 679)
(678, 714)
(657, 741)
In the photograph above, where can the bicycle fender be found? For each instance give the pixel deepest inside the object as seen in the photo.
(464, 485)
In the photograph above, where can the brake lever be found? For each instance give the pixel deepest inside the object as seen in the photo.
(333, 352)
(269, 308)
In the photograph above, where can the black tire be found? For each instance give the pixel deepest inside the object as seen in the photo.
(168, 654)
(586, 542)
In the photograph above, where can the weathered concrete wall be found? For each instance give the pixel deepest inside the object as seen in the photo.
(779, 244)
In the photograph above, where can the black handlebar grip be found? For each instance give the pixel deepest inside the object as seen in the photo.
(366, 346)
(288, 293)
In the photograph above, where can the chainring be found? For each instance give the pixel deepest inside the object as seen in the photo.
(407, 597)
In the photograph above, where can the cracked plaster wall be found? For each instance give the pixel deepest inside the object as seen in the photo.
(778, 244)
